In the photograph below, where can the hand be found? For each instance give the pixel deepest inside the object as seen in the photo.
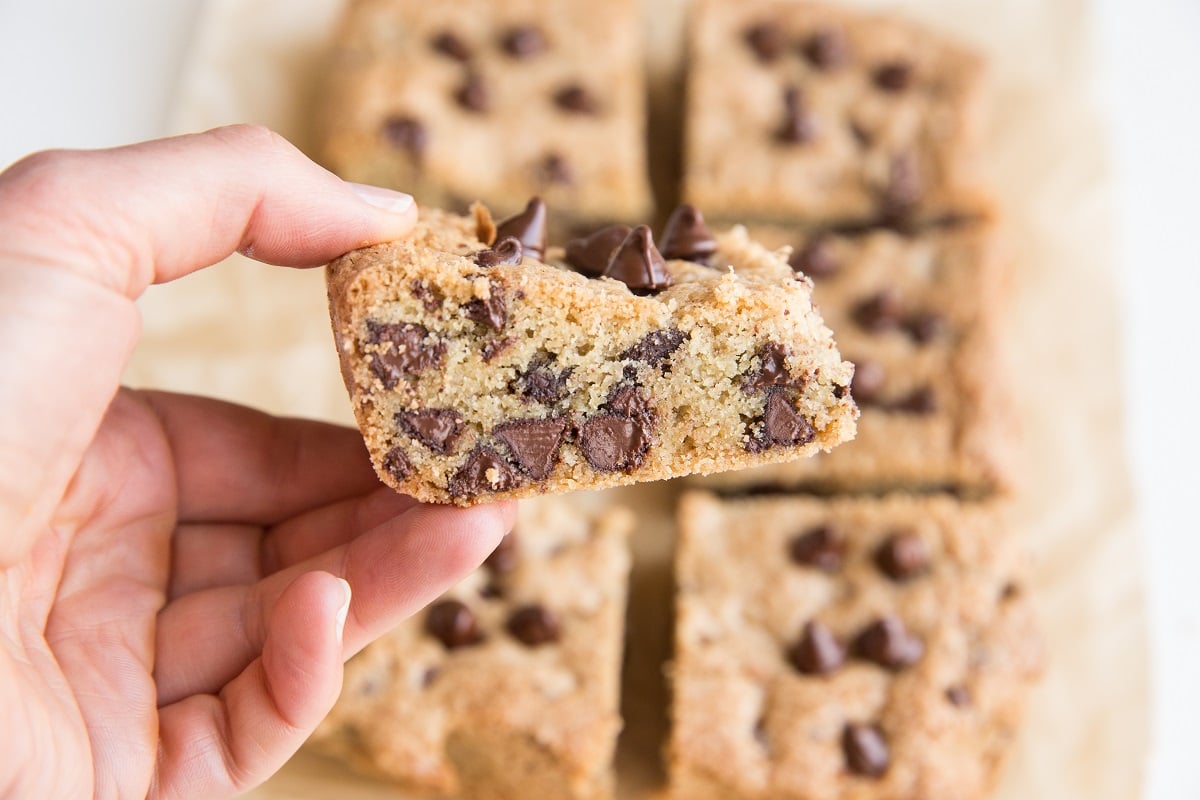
(175, 572)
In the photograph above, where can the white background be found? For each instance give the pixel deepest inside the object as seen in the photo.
(77, 73)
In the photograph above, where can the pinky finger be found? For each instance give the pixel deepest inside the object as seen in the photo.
(222, 745)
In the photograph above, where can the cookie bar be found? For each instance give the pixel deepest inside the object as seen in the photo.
(478, 372)
(917, 314)
(478, 100)
(853, 647)
(820, 113)
(507, 686)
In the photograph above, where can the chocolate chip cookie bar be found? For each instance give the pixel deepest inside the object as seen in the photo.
(917, 314)
(479, 100)
(852, 647)
(820, 113)
(507, 686)
(477, 372)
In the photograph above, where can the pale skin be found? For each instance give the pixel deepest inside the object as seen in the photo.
(181, 579)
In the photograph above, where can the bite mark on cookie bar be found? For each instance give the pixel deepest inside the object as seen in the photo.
(437, 429)
(534, 443)
(412, 350)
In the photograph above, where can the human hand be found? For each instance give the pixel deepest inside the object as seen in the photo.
(173, 570)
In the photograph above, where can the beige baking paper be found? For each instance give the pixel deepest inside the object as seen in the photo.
(259, 335)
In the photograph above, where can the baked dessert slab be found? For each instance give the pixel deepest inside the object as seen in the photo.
(507, 686)
(478, 372)
(846, 648)
(919, 314)
(811, 112)
(479, 100)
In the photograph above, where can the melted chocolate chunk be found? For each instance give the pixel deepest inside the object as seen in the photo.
(590, 255)
(895, 76)
(816, 259)
(493, 311)
(483, 471)
(888, 643)
(880, 312)
(638, 264)
(903, 556)
(628, 400)
(655, 347)
(826, 49)
(865, 749)
(507, 250)
(772, 370)
(904, 187)
(541, 383)
(406, 133)
(523, 41)
(575, 99)
(437, 429)
(506, 556)
(396, 464)
(528, 228)
(798, 124)
(494, 347)
(473, 95)
(921, 400)
(555, 169)
(448, 44)
(867, 384)
(453, 624)
(784, 426)
(612, 442)
(818, 651)
(534, 443)
(533, 625)
(430, 299)
(409, 353)
(766, 40)
(958, 696)
(821, 547)
(687, 237)
(925, 326)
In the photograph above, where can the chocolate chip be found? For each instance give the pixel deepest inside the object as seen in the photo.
(926, 326)
(656, 346)
(772, 370)
(880, 312)
(533, 625)
(1009, 591)
(821, 547)
(826, 49)
(429, 676)
(590, 255)
(861, 135)
(798, 124)
(453, 624)
(523, 41)
(921, 400)
(528, 227)
(627, 400)
(612, 443)
(507, 250)
(816, 259)
(506, 555)
(903, 556)
(904, 187)
(406, 133)
(555, 169)
(450, 45)
(534, 443)
(492, 311)
(895, 76)
(396, 464)
(430, 299)
(638, 264)
(685, 236)
(409, 352)
(494, 347)
(483, 471)
(958, 696)
(866, 750)
(867, 385)
(818, 651)
(766, 40)
(782, 425)
(888, 643)
(437, 429)
(541, 383)
(575, 99)
(473, 95)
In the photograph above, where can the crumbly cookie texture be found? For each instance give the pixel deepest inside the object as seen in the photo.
(478, 372)
(505, 688)
(476, 99)
(815, 112)
(846, 648)
(917, 313)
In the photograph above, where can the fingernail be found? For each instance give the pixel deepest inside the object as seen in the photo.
(339, 621)
(388, 200)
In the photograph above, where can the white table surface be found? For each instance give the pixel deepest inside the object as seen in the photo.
(80, 73)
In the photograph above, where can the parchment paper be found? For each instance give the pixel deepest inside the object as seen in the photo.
(260, 336)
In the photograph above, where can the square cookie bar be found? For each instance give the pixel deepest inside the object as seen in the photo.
(918, 315)
(846, 648)
(507, 686)
(481, 100)
(476, 371)
(824, 114)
